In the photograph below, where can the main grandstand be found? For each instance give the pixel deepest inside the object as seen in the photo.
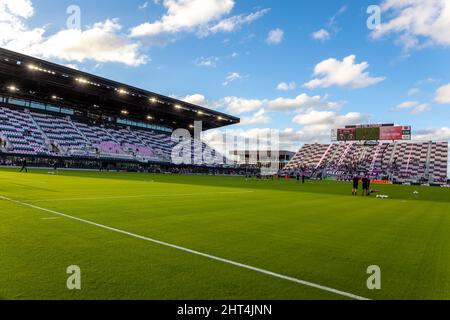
(48, 111)
(373, 156)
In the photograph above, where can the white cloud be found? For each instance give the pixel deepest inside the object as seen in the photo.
(413, 92)
(234, 23)
(302, 101)
(203, 17)
(332, 22)
(101, 43)
(317, 125)
(275, 36)
(289, 139)
(231, 77)
(414, 107)
(16, 8)
(328, 118)
(423, 107)
(406, 105)
(259, 117)
(72, 66)
(184, 15)
(197, 99)
(143, 6)
(443, 94)
(207, 62)
(14, 33)
(283, 86)
(322, 35)
(345, 73)
(437, 134)
(416, 22)
(332, 26)
(237, 105)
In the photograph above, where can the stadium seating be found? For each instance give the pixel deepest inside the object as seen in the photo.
(21, 133)
(33, 133)
(402, 161)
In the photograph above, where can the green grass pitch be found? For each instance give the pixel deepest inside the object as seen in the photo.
(315, 232)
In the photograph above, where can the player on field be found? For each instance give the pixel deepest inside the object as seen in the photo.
(366, 186)
(24, 165)
(355, 185)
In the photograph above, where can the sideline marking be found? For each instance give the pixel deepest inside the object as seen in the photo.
(140, 196)
(51, 218)
(166, 244)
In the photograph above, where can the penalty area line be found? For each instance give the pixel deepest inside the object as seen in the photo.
(198, 253)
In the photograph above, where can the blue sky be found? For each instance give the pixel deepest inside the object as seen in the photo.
(189, 48)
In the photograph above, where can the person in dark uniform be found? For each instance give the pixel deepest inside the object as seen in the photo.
(24, 165)
(355, 185)
(303, 178)
(365, 186)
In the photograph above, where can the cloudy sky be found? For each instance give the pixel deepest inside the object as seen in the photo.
(301, 67)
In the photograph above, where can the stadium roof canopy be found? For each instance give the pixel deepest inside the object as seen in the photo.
(37, 80)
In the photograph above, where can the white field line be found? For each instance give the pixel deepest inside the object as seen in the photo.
(139, 196)
(166, 244)
(51, 218)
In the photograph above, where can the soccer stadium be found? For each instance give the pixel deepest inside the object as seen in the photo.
(110, 191)
(201, 236)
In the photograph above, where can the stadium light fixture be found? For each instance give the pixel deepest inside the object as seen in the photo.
(219, 118)
(85, 81)
(81, 80)
(124, 112)
(122, 91)
(200, 112)
(32, 67)
(13, 88)
(191, 126)
(153, 100)
(177, 106)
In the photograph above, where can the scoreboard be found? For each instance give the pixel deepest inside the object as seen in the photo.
(371, 133)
